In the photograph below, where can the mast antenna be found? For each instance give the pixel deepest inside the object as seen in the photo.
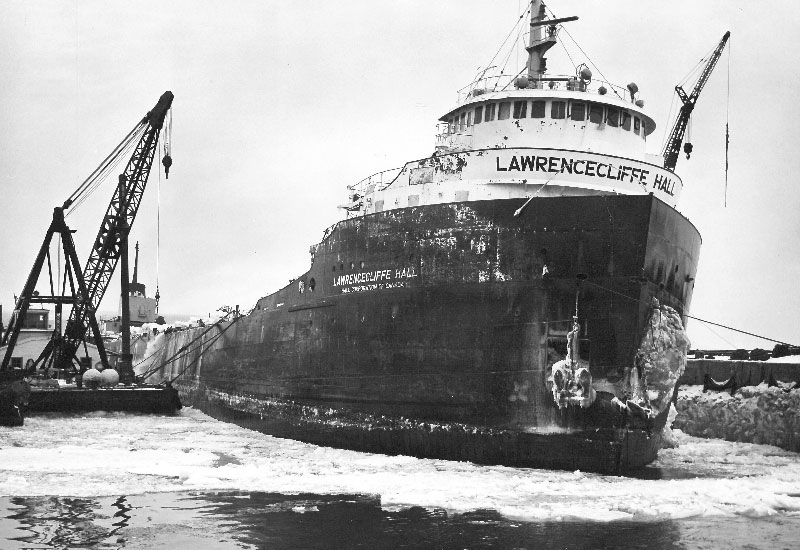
(539, 43)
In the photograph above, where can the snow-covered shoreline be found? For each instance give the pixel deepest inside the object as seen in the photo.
(753, 414)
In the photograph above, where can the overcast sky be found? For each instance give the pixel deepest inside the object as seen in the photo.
(281, 104)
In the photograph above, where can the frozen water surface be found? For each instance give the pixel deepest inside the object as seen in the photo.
(121, 454)
(740, 488)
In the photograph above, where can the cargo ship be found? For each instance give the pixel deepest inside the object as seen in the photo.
(516, 298)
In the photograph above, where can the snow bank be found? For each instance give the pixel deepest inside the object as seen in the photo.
(754, 414)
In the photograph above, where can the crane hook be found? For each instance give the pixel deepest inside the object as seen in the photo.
(167, 162)
(687, 148)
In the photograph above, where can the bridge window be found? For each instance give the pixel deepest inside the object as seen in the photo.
(595, 113)
(538, 109)
(637, 124)
(462, 122)
(478, 115)
(612, 117)
(504, 111)
(489, 112)
(469, 118)
(451, 126)
(578, 112)
(520, 109)
(558, 109)
(626, 121)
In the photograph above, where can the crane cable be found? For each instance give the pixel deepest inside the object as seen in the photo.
(727, 118)
(167, 144)
(158, 231)
(98, 175)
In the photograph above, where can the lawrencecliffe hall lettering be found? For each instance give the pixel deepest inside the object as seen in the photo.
(378, 276)
(593, 168)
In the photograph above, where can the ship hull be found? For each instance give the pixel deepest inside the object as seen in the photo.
(431, 331)
(617, 448)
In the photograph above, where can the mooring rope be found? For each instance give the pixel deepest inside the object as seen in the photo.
(691, 316)
(202, 351)
(186, 349)
(178, 354)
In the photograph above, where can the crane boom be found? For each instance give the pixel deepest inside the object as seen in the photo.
(673, 145)
(90, 284)
(119, 218)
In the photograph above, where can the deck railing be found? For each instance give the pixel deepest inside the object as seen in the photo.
(499, 83)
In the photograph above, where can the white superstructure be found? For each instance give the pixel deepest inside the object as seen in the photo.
(530, 135)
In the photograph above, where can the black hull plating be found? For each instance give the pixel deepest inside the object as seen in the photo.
(451, 316)
(623, 444)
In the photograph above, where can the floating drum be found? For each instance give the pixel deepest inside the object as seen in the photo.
(92, 378)
(109, 377)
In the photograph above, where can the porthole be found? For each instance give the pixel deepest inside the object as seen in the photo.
(334, 269)
(311, 284)
(361, 264)
(352, 266)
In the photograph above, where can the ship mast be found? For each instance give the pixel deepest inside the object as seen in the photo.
(541, 39)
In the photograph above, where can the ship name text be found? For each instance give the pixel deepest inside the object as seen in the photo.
(380, 278)
(583, 167)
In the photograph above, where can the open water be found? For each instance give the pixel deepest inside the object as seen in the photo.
(109, 480)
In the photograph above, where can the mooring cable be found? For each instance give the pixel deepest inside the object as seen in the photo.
(690, 316)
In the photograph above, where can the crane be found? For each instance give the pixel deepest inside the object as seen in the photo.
(87, 286)
(673, 145)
